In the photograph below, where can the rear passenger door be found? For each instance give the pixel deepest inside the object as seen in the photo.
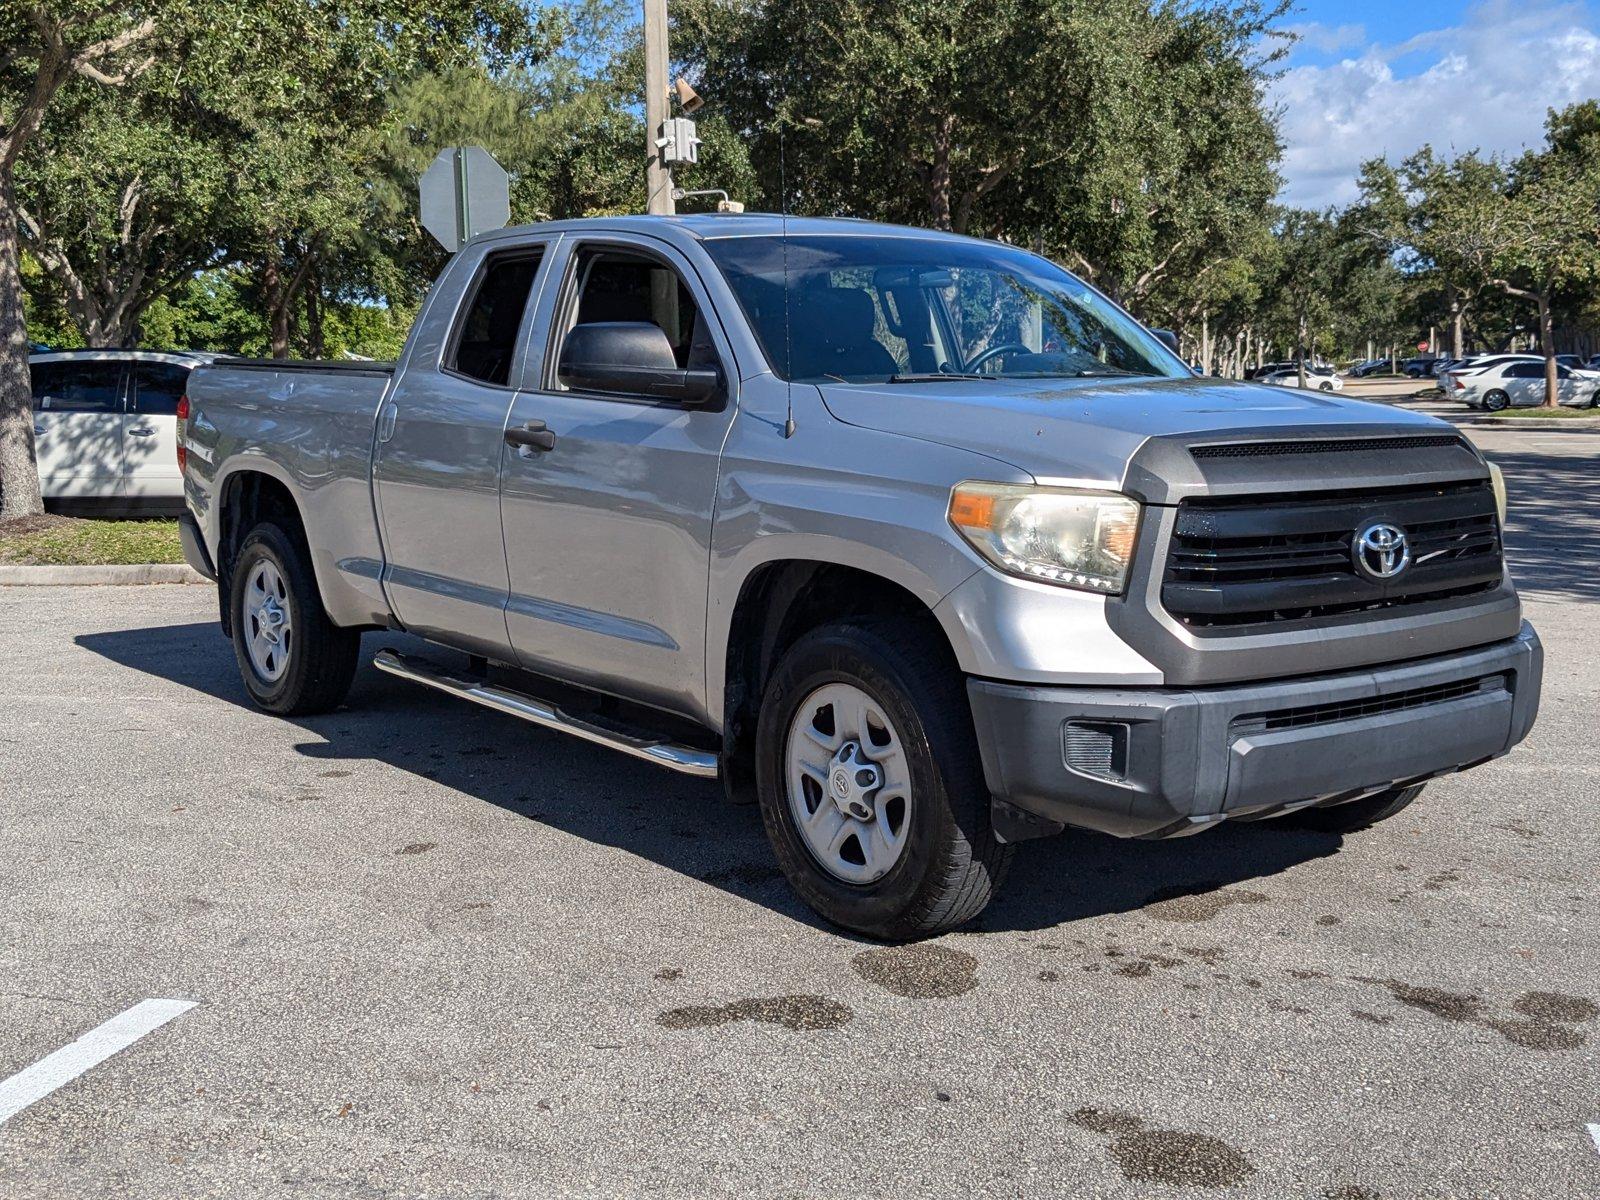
(1524, 384)
(150, 431)
(608, 529)
(77, 428)
(437, 464)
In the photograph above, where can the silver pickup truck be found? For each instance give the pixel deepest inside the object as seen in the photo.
(915, 540)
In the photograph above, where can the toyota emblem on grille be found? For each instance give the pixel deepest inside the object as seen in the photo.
(1381, 550)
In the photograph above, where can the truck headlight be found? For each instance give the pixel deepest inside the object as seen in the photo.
(1497, 481)
(1076, 539)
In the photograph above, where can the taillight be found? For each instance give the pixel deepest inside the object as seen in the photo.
(1455, 381)
(183, 433)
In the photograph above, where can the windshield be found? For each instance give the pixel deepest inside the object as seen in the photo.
(857, 309)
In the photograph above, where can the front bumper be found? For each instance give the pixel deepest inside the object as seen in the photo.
(1156, 763)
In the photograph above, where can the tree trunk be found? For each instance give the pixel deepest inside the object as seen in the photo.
(1205, 343)
(19, 470)
(1300, 348)
(275, 293)
(939, 172)
(1547, 347)
(316, 343)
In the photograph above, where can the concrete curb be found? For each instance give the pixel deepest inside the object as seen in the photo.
(16, 576)
(1570, 424)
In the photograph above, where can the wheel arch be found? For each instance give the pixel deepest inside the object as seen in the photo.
(245, 497)
(777, 602)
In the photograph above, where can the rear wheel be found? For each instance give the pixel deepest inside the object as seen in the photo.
(1496, 400)
(870, 783)
(293, 659)
(1358, 814)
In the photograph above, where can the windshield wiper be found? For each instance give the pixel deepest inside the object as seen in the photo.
(934, 377)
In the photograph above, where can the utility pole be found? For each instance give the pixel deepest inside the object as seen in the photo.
(658, 176)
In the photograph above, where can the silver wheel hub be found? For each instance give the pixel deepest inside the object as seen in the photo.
(849, 783)
(268, 620)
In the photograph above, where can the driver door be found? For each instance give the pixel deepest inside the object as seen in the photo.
(608, 528)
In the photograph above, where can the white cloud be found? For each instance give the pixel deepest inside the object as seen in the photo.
(1329, 39)
(1484, 84)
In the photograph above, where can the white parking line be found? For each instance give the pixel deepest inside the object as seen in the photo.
(1594, 1132)
(100, 1043)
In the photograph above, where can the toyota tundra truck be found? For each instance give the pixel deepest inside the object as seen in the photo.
(917, 541)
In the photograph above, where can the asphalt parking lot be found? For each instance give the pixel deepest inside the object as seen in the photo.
(435, 952)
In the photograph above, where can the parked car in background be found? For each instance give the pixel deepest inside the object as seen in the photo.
(1519, 383)
(1418, 368)
(1374, 366)
(1321, 378)
(105, 427)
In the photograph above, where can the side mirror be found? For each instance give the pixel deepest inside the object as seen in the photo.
(632, 358)
(1167, 338)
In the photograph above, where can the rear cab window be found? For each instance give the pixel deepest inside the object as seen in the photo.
(485, 339)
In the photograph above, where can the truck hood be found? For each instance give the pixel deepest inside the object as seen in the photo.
(1089, 429)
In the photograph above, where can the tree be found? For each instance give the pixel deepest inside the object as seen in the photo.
(119, 203)
(52, 41)
(1132, 139)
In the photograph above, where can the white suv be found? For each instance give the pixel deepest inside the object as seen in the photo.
(105, 426)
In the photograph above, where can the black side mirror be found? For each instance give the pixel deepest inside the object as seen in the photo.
(1167, 338)
(632, 358)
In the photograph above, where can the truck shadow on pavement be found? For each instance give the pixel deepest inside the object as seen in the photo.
(1552, 547)
(682, 824)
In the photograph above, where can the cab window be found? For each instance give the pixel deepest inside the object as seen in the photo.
(486, 339)
(612, 284)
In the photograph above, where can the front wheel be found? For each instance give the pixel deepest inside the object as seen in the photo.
(870, 783)
(293, 659)
(1358, 814)
(1496, 400)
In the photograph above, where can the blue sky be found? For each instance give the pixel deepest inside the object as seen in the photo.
(1372, 78)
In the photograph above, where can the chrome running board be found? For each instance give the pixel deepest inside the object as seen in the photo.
(683, 759)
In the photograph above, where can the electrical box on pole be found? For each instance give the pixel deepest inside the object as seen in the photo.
(679, 143)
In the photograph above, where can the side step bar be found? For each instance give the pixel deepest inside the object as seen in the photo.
(683, 759)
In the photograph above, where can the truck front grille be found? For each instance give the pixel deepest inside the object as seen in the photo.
(1241, 562)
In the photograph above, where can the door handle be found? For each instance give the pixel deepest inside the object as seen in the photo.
(531, 436)
(143, 431)
(386, 421)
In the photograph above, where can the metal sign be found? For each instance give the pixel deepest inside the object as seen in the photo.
(464, 193)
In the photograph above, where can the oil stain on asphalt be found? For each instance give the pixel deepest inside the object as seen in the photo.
(799, 1013)
(1166, 1156)
(918, 972)
(1546, 1020)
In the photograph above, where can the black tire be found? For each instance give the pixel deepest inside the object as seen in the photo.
(1358, 814)
(951, 865)
(322, 656)
(1496, 401)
